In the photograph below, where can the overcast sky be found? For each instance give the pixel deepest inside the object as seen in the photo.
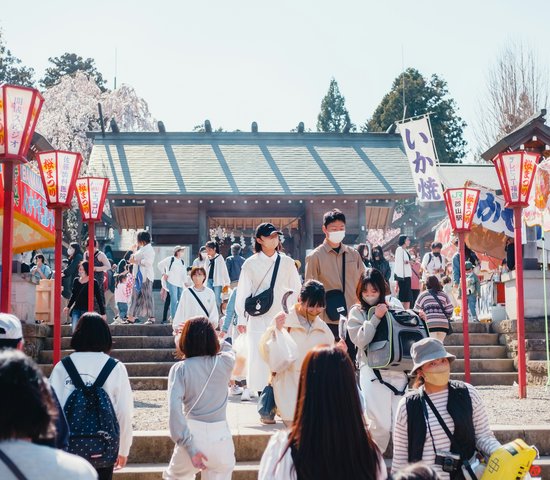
(237, 61)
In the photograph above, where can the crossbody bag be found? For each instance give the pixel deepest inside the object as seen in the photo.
(259, 304)
(336, 299)
(203, 388)
(18, 474)
(436, 298)
(200, 303)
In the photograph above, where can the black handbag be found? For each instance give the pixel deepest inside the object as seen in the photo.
(336, 299)
(257, 305)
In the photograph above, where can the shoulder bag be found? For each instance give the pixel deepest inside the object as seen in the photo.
(257, 305)
(336, 299)
(18, 474)
(200, 303)
(203, 388)
(436, 298)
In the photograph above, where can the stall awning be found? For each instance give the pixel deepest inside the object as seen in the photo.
(34, 224)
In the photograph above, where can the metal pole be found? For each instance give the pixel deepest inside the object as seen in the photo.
(57, 286)
(91, 251)
(522, 373)
(7, 237)
(464, 290)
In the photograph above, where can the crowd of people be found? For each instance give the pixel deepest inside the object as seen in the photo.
(253, 328)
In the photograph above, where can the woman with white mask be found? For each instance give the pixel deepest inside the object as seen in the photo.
(201, 259)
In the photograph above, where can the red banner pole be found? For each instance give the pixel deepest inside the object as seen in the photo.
(518, 252)
(464, 290)
(91, 251)
(7, 237)
(57, 285)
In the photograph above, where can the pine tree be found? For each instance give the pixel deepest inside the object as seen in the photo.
(69, 64)
(334, 116)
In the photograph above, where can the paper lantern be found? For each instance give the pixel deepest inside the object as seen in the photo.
(516, 171)
(59, 170)
(91, 193)
(461, 206)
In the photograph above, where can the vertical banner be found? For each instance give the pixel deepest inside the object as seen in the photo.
(420, 152)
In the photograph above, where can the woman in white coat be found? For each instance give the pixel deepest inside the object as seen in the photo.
(256, 276)
(306, 330)
(217, 276)
(402, 271)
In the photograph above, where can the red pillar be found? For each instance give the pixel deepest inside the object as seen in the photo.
(91, 251)
(464, 290)
(522, 373)
(57, 285)
(7, 237)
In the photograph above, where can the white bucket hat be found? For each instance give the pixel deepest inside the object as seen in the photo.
(427, 350)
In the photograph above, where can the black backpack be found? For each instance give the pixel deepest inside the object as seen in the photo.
(94, 429)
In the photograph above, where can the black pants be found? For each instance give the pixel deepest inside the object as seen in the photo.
(105, 473)
(352, 349)
(166, 308)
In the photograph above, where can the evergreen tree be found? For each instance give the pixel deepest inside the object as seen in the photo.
(334, 116)
(11, 70)
(69, 64)
(423, 96)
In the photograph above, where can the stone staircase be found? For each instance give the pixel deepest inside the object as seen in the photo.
(148, 352)
(151, 451)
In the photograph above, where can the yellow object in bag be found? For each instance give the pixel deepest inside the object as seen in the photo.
(512, 461)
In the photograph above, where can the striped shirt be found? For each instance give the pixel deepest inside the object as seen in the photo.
(435, 317)
(484, 437)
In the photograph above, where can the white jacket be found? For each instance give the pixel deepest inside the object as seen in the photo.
(177, 273)
(189, 307)
(145, 258)
(117, 386)
(221, 275)
(402, 269)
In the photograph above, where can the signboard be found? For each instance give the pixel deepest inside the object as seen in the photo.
(492, 214)
(420, 151)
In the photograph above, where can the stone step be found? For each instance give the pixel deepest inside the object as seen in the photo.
(489, 365)
(127, 356)
(473, 327)
(475, 339)
(134, 330)
(138, 369)
(536, 355)
(124, 341)
(479, 351)
(501, 378)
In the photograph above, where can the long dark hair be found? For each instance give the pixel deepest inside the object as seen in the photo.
(373, 277)
(77, 250)
(325, 445)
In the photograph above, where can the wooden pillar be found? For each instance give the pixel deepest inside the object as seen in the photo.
(148, 217)
(308, 221)
(362, 222)
(203, 225)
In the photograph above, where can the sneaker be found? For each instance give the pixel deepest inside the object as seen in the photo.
(245, 397)
(118, 321)
(267, 420)
(235, 390)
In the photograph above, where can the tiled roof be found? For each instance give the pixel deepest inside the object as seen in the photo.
(241, 163)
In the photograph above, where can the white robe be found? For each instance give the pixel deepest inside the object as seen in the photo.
(250, 284)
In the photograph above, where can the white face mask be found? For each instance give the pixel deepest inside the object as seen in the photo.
(270, 243)
(70, 251)
(370, 299)
(336, 237)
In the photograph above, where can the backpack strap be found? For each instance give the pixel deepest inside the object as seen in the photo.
(389, 385)
(12, 466)
(105, 372)
(171, 263)
(73, 373)
(199, 300)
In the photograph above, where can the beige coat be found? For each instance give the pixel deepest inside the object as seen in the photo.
(285, 383)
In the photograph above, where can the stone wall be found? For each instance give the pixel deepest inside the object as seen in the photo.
(535, 346)
(35, 337)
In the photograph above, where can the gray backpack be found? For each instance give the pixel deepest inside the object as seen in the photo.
(391, 346)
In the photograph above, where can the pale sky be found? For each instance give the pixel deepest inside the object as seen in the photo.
(239, 61)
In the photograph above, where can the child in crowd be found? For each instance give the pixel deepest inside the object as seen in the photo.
(122, 295)
(473, 289)
(448, 289)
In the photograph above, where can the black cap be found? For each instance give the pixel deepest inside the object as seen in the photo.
(437, 245)
(266, 229)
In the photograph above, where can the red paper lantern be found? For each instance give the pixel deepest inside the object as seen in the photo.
(19, 111)
(516, 172)
(91, 193)
(461, 206)
(59, 170)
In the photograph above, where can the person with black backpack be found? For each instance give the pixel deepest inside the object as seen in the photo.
(174, 274)
(95, 393)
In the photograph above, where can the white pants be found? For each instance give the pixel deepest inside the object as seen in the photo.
(257, 371)
(381, 402)
(439, 335)
(214, 440)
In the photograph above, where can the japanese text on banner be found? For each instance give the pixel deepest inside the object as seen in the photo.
(421, 155)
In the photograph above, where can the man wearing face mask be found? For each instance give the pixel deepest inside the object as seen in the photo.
(266, 269)
(338, 267)
(439, 403)
(433, 262)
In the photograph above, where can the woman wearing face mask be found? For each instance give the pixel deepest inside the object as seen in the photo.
(380, 263)
(402, 270)
(307, 330)
(381, 398)
(419, 435)
(74, 253)
(201, 259)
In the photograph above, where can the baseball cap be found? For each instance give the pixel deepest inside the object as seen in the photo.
(179, 248)
(10, 327)
(266, 229)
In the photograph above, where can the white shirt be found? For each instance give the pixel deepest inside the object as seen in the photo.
(400, 268)
(221, 275)
(189, 307)
(256, 277)
(117, 386)
(431, 263)
(176, 273)
(145, 257)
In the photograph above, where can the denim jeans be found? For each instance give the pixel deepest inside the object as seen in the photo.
(75, 316)
(217, 292)
(472, 306)
(175, 294)
(122, 309)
